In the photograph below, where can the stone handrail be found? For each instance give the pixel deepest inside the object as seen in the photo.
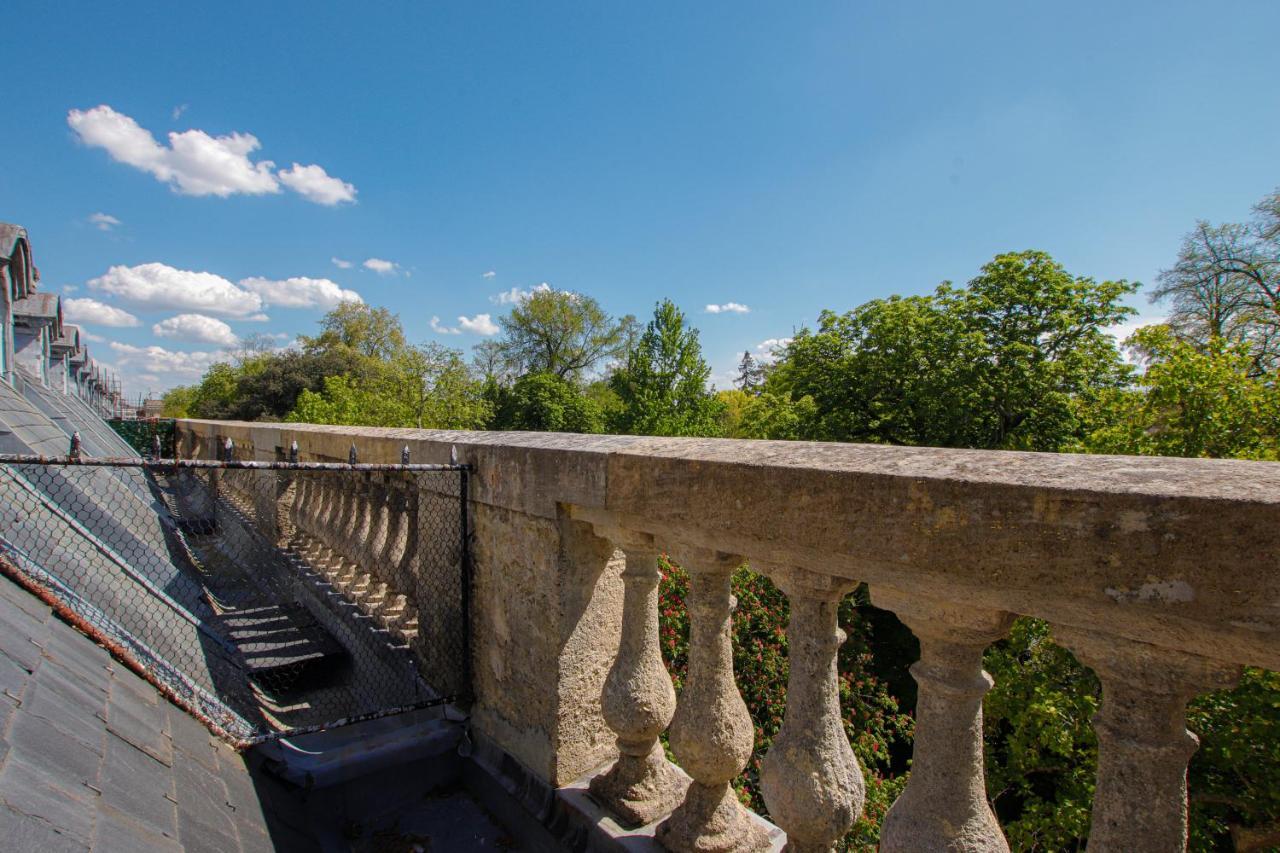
(1160, 574)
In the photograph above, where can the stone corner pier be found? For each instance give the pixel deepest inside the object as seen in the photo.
(1163, 575)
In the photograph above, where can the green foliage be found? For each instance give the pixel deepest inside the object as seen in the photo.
(662, 387)
(215, 396)
(343, 401)
(1191, 401)
(764, 415)
(1041, 750)
(560, 332)
(1235, 774)
(751, 374)
(545, 402)
(996, 364)
(873, 721)
(437, 388)
(374, 333)
(178, 402)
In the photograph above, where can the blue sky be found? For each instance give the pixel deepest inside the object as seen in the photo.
(784, 157)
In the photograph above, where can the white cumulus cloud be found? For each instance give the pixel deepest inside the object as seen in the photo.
(197, 328)
(728, 308)
(381, 266)
(515, 295)
(768, 350)
(98, 313)
(489, 274)
(195, 163)
(300, 292)
(103, 221)
(315, 184)
(160, 287)
(341, 264)
(481, 324)
(156, 360)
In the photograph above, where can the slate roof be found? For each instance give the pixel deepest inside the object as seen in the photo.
(93, 758)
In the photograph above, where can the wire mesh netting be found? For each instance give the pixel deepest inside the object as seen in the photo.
(148, 436)
(270, 597)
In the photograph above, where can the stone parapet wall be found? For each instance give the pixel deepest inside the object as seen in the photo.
(1140, 564)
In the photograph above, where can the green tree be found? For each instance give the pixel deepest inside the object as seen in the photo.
(1225, 285)
(215, 396)
(178, 401)
(375, 333)
(663, 386)
(560, 332)
(544, 402)
(1190, 401)
(438, 388)
(751, 374)
(995, 364)
(343, 401)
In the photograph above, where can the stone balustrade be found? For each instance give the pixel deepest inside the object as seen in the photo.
(1160, 574)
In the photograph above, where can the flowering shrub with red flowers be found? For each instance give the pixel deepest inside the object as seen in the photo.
(876, 727)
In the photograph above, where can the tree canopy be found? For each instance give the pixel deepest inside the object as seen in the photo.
(995, 364)
(663, 388)
(560, 332)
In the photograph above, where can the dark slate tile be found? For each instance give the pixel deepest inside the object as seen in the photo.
(39, 743)
(125, 680)
(25, 601)
(13, 680)
(78, 657)
(139, 723)
(68, 808)
(83, 688)
(196, 786)
(191, 738)
(202, 840)
(139, 786)
(17, 631)
(118, 832)
(79, 720)
(22, 832)
(261, 842)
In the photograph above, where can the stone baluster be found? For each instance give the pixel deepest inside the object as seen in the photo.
(338, 502)
(1140, 802)
(810, 778)
(352, 513)
(384, 529)
(300, 509)
(711, 733)
(369, 543)
(358, 541)
(398, 538)
(407, 568)
(944, 806)
(638, 699)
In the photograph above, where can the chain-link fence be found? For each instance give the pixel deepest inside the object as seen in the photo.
(269, 598)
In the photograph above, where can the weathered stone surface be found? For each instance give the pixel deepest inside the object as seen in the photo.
(639, 699)
(944, 808)
(810, 778)
(1168, 553)
(1140, 802)
(711, 734)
